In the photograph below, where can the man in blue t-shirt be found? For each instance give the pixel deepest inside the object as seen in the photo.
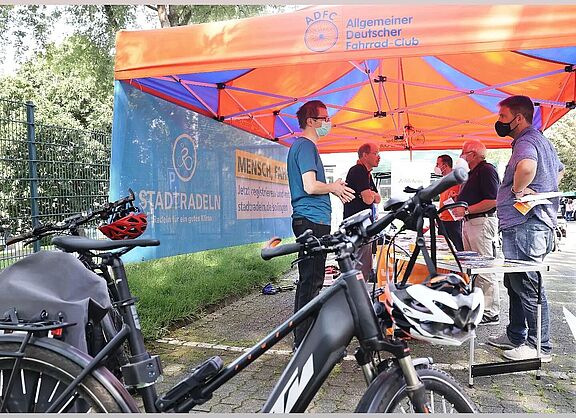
(311, 201)
(534, 167)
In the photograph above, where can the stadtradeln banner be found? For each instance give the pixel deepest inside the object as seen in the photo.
(202, 184)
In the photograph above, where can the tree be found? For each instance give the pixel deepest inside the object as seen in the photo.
(180, 15)
(563, 136)
(71, 85)
(25, 28)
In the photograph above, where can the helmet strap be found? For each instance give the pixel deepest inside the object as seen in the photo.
(421, 247)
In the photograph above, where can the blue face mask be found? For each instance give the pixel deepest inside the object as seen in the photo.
(324, 129)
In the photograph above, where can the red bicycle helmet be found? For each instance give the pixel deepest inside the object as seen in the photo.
(125, 224)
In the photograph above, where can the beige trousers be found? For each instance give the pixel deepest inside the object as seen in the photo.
(479, 234)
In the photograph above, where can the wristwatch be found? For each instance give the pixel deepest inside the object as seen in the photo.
(466, 212)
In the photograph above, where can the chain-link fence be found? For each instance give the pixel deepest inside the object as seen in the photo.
(46, 174)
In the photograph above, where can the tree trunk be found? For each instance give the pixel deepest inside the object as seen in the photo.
(163, 16)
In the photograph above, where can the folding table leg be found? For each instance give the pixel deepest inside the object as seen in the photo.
(539, 323)
(471, 362)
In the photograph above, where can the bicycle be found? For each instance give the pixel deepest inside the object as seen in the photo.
(98, 333)
(393, 383)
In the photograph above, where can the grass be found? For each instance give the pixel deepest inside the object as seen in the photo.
(178, 288)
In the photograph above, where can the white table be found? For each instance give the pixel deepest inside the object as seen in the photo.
(474, 268)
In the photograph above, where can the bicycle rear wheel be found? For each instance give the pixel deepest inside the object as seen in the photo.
(43, 376)
(389, 394)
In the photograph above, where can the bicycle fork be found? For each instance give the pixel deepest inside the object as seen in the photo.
(414, 386)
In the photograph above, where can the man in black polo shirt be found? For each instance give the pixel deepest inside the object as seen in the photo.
(365, 195)
(480, 226)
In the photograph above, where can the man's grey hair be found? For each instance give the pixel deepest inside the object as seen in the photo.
(366, 148)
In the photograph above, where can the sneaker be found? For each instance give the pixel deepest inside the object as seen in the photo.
(501, 341)
(490, 320)
(525, 352)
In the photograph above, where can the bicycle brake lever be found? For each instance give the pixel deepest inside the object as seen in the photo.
(293, 263)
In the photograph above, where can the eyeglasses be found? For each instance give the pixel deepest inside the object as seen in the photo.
(466, 153)
(324, 118)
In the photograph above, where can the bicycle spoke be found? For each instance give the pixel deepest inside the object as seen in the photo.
(432, 401)
(53, 391)
(23, 382)
(38, 386)
(69, 403)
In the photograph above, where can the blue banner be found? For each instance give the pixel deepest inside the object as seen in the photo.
(202, 184)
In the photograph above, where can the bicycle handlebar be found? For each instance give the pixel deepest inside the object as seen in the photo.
(457, 176)
(273, 249)
(21, 237)
(72, 222)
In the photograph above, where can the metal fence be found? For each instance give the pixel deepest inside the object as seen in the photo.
(46, 174)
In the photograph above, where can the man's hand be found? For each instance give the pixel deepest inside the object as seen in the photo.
(458, 212)
(524, 192)
(339, 188)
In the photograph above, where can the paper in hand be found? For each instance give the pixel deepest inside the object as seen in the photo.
(525, 207)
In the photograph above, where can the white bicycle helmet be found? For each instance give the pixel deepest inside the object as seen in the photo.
(441, 311)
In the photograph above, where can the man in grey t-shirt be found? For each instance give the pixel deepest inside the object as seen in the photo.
(534, 167)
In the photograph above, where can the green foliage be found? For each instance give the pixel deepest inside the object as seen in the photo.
(99, 23)
(71, 85)
(563, 136)
(180, 287)
(180, 15)
(25, 27)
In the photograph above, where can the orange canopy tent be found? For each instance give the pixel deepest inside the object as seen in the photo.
(420, 77)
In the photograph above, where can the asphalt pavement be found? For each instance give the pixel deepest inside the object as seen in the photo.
(236, 326)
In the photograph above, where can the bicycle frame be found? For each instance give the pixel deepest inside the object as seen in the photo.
(346, 303)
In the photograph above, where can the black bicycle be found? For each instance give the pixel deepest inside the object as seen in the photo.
(98, 333)
(32, 364)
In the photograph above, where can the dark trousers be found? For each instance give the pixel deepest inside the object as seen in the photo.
(311, 273)
(454, 232)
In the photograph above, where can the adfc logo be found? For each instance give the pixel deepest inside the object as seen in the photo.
(184, 157)
(322, 32)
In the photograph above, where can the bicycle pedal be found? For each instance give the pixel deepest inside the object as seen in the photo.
(186, 387)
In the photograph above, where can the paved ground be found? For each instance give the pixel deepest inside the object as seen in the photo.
(229, 330)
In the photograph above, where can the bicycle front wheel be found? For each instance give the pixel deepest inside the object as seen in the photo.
(389, 394)
(42, 376)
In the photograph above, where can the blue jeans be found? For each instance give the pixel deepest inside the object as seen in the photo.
(530, 241)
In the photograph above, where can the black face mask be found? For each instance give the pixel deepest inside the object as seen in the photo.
(504, 129)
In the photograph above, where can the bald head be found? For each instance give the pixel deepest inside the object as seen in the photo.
(473, 151)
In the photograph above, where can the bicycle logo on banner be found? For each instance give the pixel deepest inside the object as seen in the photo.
(184, 157)
(321, 33)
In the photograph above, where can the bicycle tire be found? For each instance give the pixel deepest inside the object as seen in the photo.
(388, 394)
(43, 377)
